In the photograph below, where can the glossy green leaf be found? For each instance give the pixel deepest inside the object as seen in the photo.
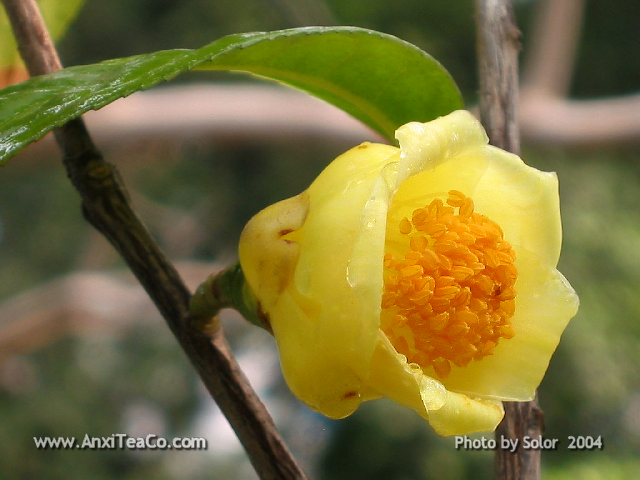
(379, 79)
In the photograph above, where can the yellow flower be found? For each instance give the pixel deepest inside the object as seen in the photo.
(425, 274)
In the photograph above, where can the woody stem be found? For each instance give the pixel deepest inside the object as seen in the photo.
(497, 46)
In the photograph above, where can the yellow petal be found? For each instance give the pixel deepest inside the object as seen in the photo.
(268, 258)
(425, 146)
(326, 330)
(404, 383)
(521, 199)
(448, 413)
(544, 305)
(461, 415)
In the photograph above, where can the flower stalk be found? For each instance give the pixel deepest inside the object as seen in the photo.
(225, 289)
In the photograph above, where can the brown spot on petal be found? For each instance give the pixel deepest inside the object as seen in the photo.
(349, 395)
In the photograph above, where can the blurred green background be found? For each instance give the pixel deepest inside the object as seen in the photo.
(83, 351)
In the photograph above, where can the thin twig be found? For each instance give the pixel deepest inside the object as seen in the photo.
(106, 206)
(32, 37)
(498, 46)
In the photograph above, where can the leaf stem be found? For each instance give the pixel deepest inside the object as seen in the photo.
(498, 46)
(106, 206)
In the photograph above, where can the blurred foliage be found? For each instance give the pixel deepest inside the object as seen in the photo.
(444, 29)
(104, 384)
(96, 385)
(606, 63)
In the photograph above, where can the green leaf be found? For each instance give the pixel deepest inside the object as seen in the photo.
(379, 79)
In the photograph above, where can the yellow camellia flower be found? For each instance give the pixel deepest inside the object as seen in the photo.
(425, 274)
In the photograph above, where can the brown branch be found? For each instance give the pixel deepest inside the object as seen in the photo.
(107, 207)
(554, 42)
(548, 119)
(32, 37)
(498, 46)
(99, 300)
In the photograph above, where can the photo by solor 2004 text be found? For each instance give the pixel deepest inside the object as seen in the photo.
(580, 442)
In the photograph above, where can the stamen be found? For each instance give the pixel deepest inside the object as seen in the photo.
(405, 226)
(451, 298)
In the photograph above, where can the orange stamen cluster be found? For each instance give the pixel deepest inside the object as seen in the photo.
(451, 298)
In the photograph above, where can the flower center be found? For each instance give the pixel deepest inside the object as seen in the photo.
(451, 298)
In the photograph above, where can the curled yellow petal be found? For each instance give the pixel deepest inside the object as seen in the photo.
(325, 331)
(269, 258)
